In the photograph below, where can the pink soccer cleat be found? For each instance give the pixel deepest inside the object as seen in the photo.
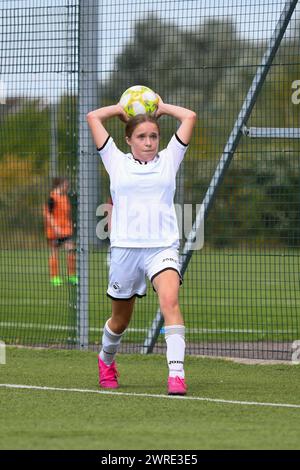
(107, 375)
(176, 386)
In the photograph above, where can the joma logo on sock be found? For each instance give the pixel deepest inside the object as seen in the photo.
(175, 362)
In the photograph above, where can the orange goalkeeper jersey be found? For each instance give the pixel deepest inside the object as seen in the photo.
(57, 216)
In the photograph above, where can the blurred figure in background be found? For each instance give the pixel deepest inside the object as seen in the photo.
(59, 231)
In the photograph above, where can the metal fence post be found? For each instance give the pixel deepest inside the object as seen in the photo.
(87, 168)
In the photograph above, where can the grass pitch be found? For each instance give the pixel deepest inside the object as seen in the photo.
(140, 415)
(226, 296)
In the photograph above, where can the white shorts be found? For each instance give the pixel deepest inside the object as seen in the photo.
(130, 266)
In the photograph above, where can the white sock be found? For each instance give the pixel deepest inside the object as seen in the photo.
(174, 336)
(110, 345)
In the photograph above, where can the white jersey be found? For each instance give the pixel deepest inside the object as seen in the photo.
(143, 214)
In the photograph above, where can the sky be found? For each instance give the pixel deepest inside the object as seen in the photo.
(46, 36)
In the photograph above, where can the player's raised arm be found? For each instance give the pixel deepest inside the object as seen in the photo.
(186, 117)
(97, 118)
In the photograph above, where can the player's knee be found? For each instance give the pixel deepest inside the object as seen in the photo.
(118, 325)
(69, 248)
(169, 302)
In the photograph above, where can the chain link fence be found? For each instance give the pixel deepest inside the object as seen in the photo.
(236, 64)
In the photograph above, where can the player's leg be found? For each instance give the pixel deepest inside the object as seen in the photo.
(71, 261)
(54, 263)
(115, 327)
(126, 281)
(113, 331)
(167, 285)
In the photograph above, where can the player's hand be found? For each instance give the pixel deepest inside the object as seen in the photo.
(122, 115)
(159, 112)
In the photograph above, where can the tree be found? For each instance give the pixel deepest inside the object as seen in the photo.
(176, 63)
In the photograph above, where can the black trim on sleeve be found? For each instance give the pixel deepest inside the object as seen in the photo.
(101, 148)
(180, 141)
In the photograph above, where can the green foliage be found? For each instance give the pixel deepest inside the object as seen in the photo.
(66, 113)
(21, 201)
(25, 132)
(208, 68)
(25, 149)
(177, 63)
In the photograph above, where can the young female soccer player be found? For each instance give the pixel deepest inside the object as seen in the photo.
(144, 233)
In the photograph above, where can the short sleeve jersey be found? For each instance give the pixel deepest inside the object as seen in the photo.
(143, 214)
(61, 214)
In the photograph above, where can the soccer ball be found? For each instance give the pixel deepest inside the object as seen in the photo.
(139, 99)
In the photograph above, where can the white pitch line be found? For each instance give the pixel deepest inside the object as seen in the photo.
(149, 395)
(45, 326)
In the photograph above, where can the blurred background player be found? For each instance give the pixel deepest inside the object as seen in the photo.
(59, 230)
